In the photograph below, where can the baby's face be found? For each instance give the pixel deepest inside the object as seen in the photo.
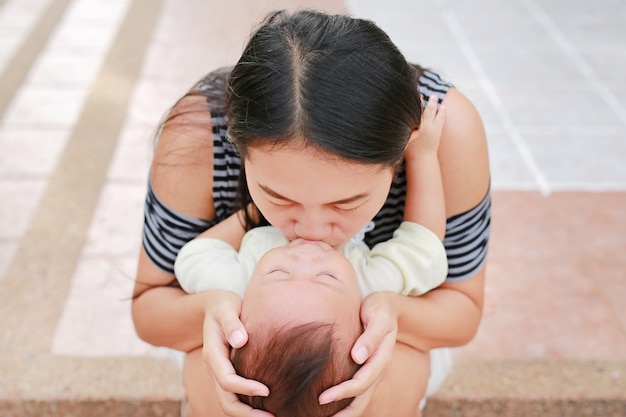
(303, 282)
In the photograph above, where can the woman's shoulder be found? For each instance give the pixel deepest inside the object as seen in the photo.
(182, 166)
(463, 154)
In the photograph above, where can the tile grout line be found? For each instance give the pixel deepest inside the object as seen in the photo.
(580, 63)
(38, 279)
(19, 66)
(516, 137)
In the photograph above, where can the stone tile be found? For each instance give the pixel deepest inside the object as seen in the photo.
(589, 29)
(526, 228)
(608, 62)
(103, 12)
(18, 201)
(399, 23)
(444, 58)
(17, 18)
(492, 10)
(152, 99)
(609, 276)
(519, 67)
(45, 108)
(571, 159)
(179, 67)
(62, 69)
(7, 250)
(581, 107)
(508, 169)
(520, 32)
(96, 320)
(551, 310)
(78, 35)
(555, 275)
(30, 152)
(595, 223)
(133, 155)
(583, 9)
(116, 226)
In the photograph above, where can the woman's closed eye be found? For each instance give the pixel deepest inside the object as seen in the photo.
(346, 209)
(280, 203)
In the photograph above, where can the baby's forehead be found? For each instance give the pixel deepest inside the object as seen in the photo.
(339, 331)
(261, 318)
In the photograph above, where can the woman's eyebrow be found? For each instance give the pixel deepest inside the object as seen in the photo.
(347, 200)
(267, 190)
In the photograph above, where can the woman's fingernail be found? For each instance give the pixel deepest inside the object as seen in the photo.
(324, 401)
(261, 393)
(236, 338)
(360, 354)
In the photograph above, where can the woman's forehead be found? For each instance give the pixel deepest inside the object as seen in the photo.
(283, 168)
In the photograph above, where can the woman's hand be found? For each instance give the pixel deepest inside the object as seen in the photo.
(223, 329)
(374, 349)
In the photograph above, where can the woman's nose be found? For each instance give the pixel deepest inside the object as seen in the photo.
(312, 226)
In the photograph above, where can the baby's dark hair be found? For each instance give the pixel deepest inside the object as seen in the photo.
(297, 363)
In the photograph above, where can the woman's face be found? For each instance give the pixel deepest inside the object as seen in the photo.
(313, 195)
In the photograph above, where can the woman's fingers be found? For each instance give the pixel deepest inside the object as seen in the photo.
(222, 320)
(379, 319)
(363, 385)
(233, 407)
(365, 377)
(379, 338)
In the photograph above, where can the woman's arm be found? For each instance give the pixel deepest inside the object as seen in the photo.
(182, 177)
(450, 314)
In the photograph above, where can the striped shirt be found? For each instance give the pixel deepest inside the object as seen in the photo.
(166, 231)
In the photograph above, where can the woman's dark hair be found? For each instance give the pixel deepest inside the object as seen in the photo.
(335, 82)
(297, 363)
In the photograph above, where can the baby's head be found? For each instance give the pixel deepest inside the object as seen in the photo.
(301, 311)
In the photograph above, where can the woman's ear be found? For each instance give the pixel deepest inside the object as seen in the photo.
(414, 134)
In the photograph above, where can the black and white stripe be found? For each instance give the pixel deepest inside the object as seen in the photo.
(166, 231)
(467, 239)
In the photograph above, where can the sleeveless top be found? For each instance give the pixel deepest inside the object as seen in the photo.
(166, 231)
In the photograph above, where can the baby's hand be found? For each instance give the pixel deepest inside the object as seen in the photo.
(427, 138)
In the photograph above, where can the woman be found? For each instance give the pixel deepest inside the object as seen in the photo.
(319, 110)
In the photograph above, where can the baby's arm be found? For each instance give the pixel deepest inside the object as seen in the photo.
(414, 261)
(210, 261)
(425, 202)
(230, 230)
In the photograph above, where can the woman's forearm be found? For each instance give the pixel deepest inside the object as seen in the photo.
(447, 316)
(166, 316)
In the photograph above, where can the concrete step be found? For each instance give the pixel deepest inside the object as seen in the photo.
(67, 387)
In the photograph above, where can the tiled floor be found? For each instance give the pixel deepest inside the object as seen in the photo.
(549, 79)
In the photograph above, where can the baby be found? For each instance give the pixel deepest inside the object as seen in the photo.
(301, 299)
